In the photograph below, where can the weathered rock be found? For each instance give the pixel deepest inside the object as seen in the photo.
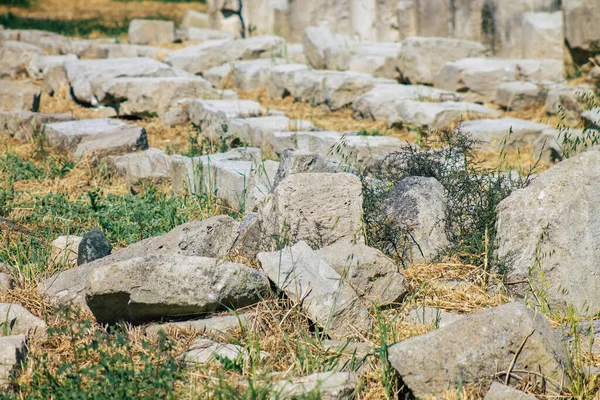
(16, 320)
(5, 282)
(282, 79)
(15, 57)
(327, 299)
(19, 96)
(122, 50)
(76, 133)
(22, 125)
(254, 47)
(325, 385)
(518, 95)
(547, 234)
(300, 162)
(65, 250)
(499, 391)
(196, 34)
(147, 96)
(39, 65)
(494, 134)
(253, 75)
(259, 131)
(213, 114)
(218, 76)
(319, 208)
(482, 346)
(370, 273)
(86, 77)
(206, 350)
(170, 285)
(437, 115)
(482, 76)
(378, 59)
(580, 30)
(379, 102)
(417, 206)
(13, 350)
(209, 325)
(119, 141)
(195, 19)
(567, 101)
(591, 118)
(543, 35)
(423, 57)
(151, 164)
(143, 31)
(324, 50)
(93, 245)
(431, 316)
(197, 59)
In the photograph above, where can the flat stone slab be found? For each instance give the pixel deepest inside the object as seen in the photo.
(19, 96)
(71, 133)
(39, 65)
(21, 125)
(508, 132)
(519, 95)
(327, 385)
(206, 350)
(124, 50)
(151, 164)
(437, 115)
(209, 325)
(258, 131)
(379, 59)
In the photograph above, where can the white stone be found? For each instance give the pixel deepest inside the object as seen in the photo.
(543, 35)
(253, 75)
(145, 31)
(495, 134)
(151, 164)
(39, 65)
(437, 115)
(519, 95)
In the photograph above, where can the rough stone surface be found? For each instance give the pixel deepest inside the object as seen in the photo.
(319, 208)
(551, 226)
(423, 57)
(15, 57)
(206, 350)
(503, 132)
(22, 125)
(253, 75)
(19, 96)
(378, 59)
(478, 346)
(13, 350)
(200, 58)
(300, 162)
(151, 164)
(481, 77)
(370, 273)
(5, 282)
(170, 285)
(514, 96)
(543, 35)
(203, 34)
(258, 131)
(566, 100)
(218, 76)
(281, 79)
(580, 29)
(329, 385)
(437, 115)
(499, 391)
(327, 299)
(93, 245)
(16, 320)
(65, 250)
(417, 205)
(431, 316)
(209, 325)
(143, 31)
(39, 65)
(325, 50)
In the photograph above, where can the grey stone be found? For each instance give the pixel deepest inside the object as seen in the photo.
(494, 134)
(319, 208)
(437, 115)
(543, 35)
(321, 292)
(379, 102)
(206, 350)
(93, 245)
(374, 277)
(482, 346)
(377, 59)
(15, 57)
(423, 57)
(325, 50)
(253, 75)
(498, 391)
(218, 76)
(116, 134)
(514, 96)
(39, 65)
(151, 164)
(580, 14)
(119, 141)
(16, 320)
(282, 78)
(567, 101)
(417, 206)
(547, 234)
(481, 77)
(19, 96)
(328, 385)
(122, 50)
(209, 325)
(258, 131)
(22, 125)
(199, 34)
(13, 351)
(213, 114)
(170, 285)
(300, 162)
(142, 31)
(431, 316)
(149, 95)
(65, 250)
(200, 58)
(5, 282)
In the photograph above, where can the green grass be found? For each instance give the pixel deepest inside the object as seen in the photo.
(18, 3)
(76, 27)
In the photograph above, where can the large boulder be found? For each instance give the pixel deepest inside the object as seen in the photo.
(417, 207)
(483, 346)
(423, 57)
(307, 279)
(548, 235)
(162, 286)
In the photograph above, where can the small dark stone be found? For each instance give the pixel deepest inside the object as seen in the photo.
(93, 246)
